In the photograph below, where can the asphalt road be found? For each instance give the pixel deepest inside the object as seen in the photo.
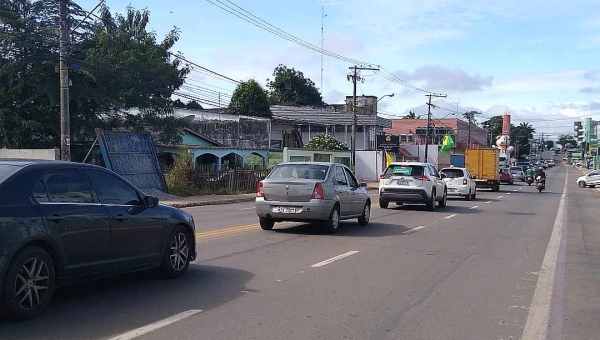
(468, 271)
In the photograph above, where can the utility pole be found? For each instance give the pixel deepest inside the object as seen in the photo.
(323, 15)
(65, 131)
(471, 117)
(355, 77)
(429, 105)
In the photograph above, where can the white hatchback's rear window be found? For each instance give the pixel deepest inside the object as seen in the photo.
(453, 173)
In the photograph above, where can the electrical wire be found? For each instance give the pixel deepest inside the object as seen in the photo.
(247, 16)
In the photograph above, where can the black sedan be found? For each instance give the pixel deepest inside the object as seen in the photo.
(64, 222)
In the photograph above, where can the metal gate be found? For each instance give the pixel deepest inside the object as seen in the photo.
(132, 155)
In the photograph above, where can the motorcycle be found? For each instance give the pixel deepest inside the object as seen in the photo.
(540, 184)
(529, 180)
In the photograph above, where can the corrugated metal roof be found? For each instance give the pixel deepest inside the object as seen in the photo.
(323, 117)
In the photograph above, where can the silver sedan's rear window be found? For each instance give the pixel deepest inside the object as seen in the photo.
(299, 171)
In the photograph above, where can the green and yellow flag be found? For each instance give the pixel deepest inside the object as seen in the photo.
(447, 144)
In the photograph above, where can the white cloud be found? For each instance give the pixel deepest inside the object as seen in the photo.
(443, 79)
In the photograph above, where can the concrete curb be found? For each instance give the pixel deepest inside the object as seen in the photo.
(204, 203)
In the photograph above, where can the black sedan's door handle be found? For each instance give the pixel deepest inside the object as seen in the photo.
(54, 218)
(119, 217)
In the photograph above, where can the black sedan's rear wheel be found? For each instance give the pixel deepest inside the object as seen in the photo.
(176, 258)
(383, 204)
(29, 284)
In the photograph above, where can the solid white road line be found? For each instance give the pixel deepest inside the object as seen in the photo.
(538, 319)
(410, 231)
(450, 216)
(474, 207)
(136, 333)
(333, 259)
(488, 202)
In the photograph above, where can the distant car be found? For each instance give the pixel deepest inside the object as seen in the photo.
(311, 192)
(506, 176)
(517, 173)
(459, 182)
(412, 182)
(64, 222)
(590, 180)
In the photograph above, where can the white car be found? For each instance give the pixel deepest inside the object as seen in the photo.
(590, 180)
(459, 182)
(412, 182)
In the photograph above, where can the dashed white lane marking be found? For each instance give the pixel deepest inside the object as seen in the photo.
(488, 202)
(538, 319)
(247, 209)
(474, 207)
(508, 193)
(136, 333)
(499, 196)
(515, 190)
(333, 259)
(410, 231)
(450, 216)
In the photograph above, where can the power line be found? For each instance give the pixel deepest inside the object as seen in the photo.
(180, 57)
(245, 15)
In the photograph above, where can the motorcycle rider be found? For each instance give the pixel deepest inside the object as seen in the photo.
(540, 172)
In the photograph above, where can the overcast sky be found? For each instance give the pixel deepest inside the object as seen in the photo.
(537, 59)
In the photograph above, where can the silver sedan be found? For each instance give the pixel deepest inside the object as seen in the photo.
(312, 192)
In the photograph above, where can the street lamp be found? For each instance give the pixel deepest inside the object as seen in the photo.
(387, 95)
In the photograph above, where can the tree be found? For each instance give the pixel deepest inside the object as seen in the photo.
(250, 99)
(178, 103)
(410, 115)
(120, 75)
(520, 136)
(566, 141)
(289, 87)
(193, 105)
(325, 142)
(493, 126)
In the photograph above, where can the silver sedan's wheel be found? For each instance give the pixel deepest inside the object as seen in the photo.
(581, 184)
(332, 224)
(366, 216)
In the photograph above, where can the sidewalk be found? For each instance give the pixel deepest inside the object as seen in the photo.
(197, 201)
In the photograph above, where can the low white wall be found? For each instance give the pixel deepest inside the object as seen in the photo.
(45, 154)
(369, 165)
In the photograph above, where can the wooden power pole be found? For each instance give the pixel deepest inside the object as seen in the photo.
(65, 131)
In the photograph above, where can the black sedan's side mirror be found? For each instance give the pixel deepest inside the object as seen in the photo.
(151, 201)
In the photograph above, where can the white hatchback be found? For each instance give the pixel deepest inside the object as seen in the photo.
(459, 182)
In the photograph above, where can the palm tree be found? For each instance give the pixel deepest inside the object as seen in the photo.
(526, 129)
(410, 115)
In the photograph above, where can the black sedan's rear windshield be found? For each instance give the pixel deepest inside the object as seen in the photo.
(7, 170)
(300, 171)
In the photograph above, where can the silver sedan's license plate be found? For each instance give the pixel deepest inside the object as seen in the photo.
(285, 210)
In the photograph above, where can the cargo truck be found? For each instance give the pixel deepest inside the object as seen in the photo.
(484, 165)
